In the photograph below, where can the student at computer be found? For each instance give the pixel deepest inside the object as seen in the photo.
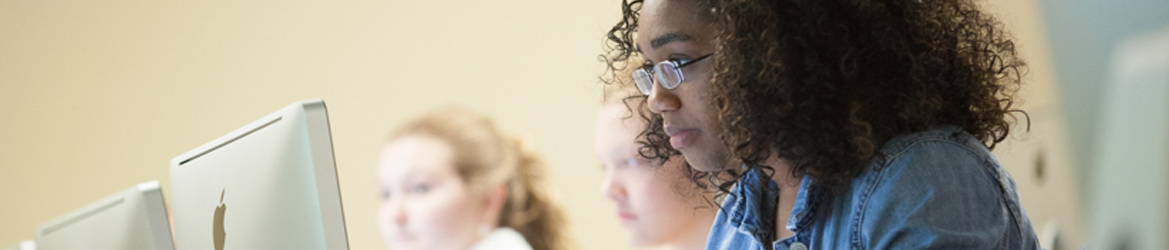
(848, 124)
(451, 180)
(656, 203)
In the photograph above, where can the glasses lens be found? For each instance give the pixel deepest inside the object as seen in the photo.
(643, 81)
(668, 75)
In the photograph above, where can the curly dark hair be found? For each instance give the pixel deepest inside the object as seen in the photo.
(824, 84)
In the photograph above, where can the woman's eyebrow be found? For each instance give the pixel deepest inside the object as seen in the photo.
(662, 40)
(669, 38)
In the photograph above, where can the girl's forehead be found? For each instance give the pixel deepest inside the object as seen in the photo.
(414, 155)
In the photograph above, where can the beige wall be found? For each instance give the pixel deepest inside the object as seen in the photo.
(96, 96)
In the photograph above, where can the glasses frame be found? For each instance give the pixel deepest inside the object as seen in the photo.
(654, 74)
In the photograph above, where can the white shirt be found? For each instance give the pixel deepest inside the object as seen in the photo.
(502, 238)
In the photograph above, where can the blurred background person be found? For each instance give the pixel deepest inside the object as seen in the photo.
(452, 180)
(656, 203)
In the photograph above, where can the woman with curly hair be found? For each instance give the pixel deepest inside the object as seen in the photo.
(833, 124)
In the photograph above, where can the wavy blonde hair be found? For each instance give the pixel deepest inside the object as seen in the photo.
(486, 157)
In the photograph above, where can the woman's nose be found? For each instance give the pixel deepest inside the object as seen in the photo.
(610, 188)
(662, 100)
(396, 214)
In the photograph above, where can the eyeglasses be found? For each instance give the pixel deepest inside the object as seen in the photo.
(668, 73)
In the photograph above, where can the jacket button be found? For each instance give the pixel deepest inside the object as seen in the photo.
(797, 246)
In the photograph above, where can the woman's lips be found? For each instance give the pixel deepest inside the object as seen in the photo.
(680, 138)
(403, 236)
(626, 217)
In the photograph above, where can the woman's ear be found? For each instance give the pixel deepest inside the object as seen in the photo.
(493, 201)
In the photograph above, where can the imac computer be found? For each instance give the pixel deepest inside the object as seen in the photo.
(131, 219)
(271, 184)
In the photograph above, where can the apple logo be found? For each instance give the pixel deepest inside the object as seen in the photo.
(218, 232)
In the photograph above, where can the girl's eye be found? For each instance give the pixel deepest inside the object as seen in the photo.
(634, 162)
(419, 188)
(385, 195)
(679, 58)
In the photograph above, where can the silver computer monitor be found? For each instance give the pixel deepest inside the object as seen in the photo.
(131, 219)
(271, 184)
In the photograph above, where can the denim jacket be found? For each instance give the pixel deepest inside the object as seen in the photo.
(938, 189)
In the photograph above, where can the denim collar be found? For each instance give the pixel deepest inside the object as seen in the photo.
(899, 144)
(752, 205)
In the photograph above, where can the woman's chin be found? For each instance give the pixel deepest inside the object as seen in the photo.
(638, 239)
(639, 243)
(704, 164)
